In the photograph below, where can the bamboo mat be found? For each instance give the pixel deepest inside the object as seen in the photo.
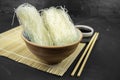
(13, 47)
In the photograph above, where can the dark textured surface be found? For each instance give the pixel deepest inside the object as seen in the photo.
(77, 7)
(103, 64)
(104, 61)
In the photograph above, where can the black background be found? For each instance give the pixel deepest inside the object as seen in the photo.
(102, 15)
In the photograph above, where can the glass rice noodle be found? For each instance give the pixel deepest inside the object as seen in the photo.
(53, 27)
(32, 24)
(60, 26)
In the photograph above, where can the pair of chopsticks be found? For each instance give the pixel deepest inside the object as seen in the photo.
(87, 53)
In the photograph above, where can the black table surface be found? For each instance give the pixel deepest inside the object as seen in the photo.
(103, 63)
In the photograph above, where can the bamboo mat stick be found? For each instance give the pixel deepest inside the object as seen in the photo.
(81, 58)
(86, 58)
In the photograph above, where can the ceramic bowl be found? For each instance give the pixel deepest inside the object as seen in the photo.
(52, 54)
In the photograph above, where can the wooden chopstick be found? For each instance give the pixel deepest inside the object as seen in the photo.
(87, 56)
(81, 58)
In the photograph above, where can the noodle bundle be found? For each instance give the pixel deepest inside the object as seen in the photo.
(33, 25)
(60, 26)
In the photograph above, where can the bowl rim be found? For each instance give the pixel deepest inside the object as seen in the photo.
(35, 44)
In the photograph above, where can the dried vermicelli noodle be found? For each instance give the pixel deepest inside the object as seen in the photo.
(51, 27)
(60, 26)
(33, 25)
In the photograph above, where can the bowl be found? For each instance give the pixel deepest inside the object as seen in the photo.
(52, 54)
